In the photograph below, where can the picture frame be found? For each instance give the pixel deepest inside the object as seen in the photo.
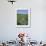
(23, 16)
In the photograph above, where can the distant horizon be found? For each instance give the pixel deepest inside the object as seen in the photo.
(22, 11)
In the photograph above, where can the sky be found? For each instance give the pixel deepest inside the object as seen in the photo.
(22, 11)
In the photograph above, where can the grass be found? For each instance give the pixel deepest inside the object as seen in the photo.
(22, 19)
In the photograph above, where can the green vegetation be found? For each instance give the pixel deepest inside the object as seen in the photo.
(22, 19)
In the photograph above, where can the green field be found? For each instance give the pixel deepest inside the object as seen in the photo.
(22, 19)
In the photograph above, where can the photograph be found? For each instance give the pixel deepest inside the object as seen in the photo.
(23, 18)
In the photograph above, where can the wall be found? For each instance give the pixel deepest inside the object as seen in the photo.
(8, 28)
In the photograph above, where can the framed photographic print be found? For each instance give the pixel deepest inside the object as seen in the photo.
(22, 17)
